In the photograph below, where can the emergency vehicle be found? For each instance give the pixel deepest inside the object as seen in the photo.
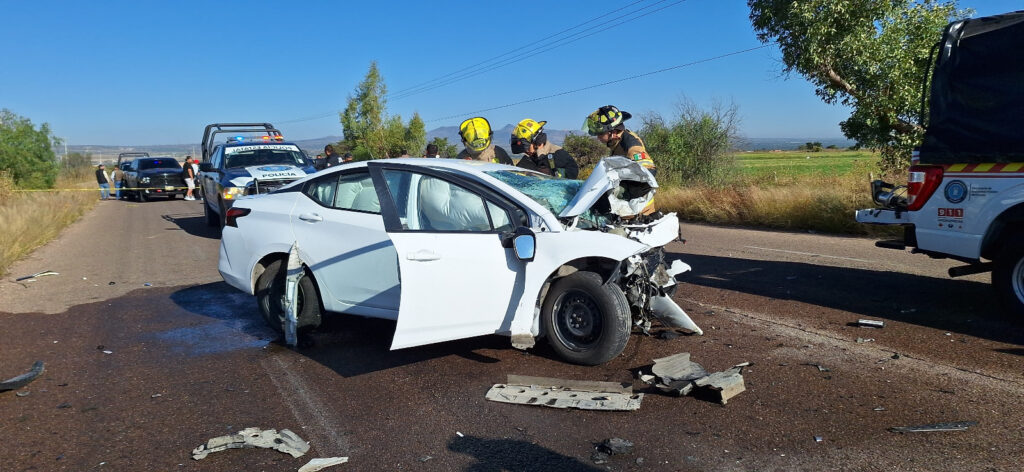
(964, 199)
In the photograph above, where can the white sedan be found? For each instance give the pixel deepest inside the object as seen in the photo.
(452, 249)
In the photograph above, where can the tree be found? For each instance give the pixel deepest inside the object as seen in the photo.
(696, 145)
(369, 133)
(416, 135)
(76, 160)
(586, 150)
(443, 148)
(870, 55)
(27, 152)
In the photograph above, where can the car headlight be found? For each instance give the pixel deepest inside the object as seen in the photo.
(231, 193)
(144, 180)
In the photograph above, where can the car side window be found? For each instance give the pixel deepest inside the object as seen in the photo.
(426, 203)
(215, 161)
(352, 191)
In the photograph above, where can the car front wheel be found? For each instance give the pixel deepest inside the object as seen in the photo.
(211, 217)
(270, 297)
(586, 322)
(1008, 278)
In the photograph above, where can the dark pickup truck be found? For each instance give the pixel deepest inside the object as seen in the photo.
(149, 177)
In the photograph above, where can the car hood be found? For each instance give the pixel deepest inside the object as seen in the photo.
(243, 175)
(629, 188)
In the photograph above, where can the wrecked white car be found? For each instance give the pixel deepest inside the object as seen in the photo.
(452, 249)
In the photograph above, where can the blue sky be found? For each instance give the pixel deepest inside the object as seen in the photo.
(144, 72)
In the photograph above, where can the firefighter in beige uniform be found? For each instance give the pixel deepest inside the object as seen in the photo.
(606, 124)
(476, 136)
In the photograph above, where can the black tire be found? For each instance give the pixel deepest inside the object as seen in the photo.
(142, 196)
(1008, 278)
(211, 217)
(586, 322)
(270, 295)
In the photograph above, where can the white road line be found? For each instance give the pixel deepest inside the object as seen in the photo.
(812, 254)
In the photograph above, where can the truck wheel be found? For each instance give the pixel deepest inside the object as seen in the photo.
(586, 321)
(211, 217)
(270, 297)
(1008, 278)
(142, 196)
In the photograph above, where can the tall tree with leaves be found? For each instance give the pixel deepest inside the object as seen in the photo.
(27, 152)
(870, 55)
(445, 149)
(363, 119)
(416, 135)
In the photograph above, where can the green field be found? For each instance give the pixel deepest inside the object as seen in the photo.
(765, 166)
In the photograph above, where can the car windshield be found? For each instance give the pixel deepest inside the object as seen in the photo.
(260, 156)
(553, 193)
(167, 163)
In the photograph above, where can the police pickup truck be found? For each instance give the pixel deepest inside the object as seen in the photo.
(964, 199)
(246, 165)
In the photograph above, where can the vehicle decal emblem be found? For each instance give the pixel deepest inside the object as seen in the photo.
(273, 168)
(956, 191)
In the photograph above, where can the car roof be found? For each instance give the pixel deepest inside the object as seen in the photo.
(259, 143)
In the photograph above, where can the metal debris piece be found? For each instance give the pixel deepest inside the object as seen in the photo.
(724, 385)
(285, 441)
(672, 315)
(22, 394)
(677, 367)
(818, 439)
(865, 340)
(935, 427)
(426, 458)
(23, 379)
(879, 408)
(563, 393)
(291, 296)
(871, 323)
(322, 463)
(614, 446)
(37, 274)
(821, 368)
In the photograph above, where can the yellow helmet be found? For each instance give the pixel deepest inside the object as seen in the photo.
(528, 129)
(476, 133)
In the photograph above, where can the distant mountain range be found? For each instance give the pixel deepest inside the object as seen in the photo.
(316, 145)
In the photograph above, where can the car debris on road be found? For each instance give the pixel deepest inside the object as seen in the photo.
(871, 323)
(22, 380)
(285, 441)
(35, 275)
(935, 427)
(321, 463)
(679, 375)
(563, 393)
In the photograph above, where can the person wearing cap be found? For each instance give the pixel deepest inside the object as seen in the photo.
(529, 139)
(476, 136)
(607, 124)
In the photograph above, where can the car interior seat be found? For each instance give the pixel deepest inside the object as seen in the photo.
(444, 207)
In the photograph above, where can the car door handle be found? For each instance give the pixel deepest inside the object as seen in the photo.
(311, 217)
(423, 255)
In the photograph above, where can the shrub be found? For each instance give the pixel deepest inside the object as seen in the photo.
(696, 146)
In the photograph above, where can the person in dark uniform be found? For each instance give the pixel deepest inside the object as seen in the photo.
(529, 139)
(607, 124)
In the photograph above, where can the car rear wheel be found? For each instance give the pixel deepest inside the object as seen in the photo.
(586, 322)
(270, 297)
(1008, 277)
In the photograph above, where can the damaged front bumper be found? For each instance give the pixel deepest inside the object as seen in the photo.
(648, 282)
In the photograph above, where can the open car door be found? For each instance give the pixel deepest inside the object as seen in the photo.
(457, 279)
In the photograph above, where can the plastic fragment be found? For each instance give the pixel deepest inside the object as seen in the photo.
(285, 441)
(322, 463)
(22, 380)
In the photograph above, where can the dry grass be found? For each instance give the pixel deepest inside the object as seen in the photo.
(818, 203)
(31, 219)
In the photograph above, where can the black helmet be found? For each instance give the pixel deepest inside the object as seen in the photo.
(604, 119)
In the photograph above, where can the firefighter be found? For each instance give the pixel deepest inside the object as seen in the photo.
(476, 136)
(529, 139)
(606, 124)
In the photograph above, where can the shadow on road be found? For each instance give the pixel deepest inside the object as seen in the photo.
(193, 224)
(514, 456)
(960, 306)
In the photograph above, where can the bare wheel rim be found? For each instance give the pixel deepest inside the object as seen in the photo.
(577, 322)
(1017, 280)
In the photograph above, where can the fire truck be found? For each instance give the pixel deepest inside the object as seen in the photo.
(964, 197)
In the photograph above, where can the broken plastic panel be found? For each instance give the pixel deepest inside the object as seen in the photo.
(563, 393)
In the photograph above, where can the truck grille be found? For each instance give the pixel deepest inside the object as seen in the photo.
(162, 180)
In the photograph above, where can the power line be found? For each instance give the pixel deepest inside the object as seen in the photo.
(399, 92)
(567, 92)
(556, 44)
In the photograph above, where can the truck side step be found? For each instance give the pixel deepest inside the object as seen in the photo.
(970, 269)
(891, 244)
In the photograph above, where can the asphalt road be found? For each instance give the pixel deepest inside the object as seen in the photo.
(189, 359)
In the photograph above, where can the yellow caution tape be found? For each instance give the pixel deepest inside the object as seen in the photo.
(97, 189)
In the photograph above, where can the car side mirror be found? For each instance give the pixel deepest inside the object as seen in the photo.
(524, 242)
(205, 167)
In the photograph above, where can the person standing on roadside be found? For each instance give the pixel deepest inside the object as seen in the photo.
(530, 140)
(476, 136)
(117, 175)
(189, 174)
(104, 181)
(331, 157)
(195, 179)
(347, 158)
(606, 124)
